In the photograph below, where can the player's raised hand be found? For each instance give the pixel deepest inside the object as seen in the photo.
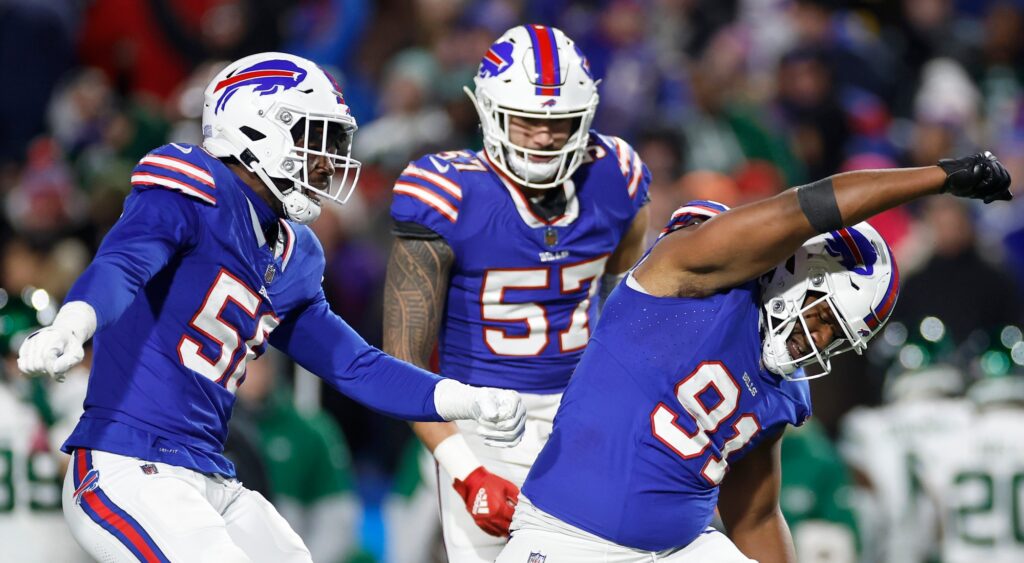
(500, 413)
(490, 500)
(979, 176)
(57, 348)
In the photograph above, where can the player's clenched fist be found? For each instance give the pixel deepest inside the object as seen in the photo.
(979, 176)
(57, 348)
(499, 413)
(490, 500)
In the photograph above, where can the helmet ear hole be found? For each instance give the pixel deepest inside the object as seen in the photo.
(253, 134)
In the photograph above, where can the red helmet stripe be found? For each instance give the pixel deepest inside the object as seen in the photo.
(852, 245)
(250, 75)
(545, 54)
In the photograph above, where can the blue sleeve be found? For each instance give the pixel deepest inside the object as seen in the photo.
(154, 226)
(320, 341)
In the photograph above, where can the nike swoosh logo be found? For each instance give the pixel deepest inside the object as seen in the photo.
(185, 150)
(442, 168)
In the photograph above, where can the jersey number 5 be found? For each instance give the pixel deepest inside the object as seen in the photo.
(709, 383)
(222, 367)
(493, 307)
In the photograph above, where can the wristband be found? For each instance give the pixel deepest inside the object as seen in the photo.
(454, 400)
(79, 317)
(454, 455)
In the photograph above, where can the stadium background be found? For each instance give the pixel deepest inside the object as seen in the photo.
(730, 100)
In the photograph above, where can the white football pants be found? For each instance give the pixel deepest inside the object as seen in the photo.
(537, 536)
(127, 509)
(463, 540)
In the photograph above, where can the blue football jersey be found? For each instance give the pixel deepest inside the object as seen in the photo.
(187, 290)
(667, 394)
(520, 298)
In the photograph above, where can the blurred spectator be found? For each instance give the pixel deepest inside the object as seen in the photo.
(32, 527)
(810, 113)
(978, 485)
(410, 511)
(307, 462)
(887, 448)
(409, 120)
(956, 268)
(35, 50)
(148, 47)
(815, 497)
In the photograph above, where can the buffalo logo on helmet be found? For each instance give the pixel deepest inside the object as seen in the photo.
(497, 60)
(268, 77)
(854, 251)
(584, 63)
(536, 557)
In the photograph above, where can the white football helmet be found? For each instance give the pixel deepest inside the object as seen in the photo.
(537, 72)
(852, 270)
(259, 108)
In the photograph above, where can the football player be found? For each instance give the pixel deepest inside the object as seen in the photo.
(31, 420)
(210, 262)
(977, 480)
(498, 258)
(700, 361)
(888, 446)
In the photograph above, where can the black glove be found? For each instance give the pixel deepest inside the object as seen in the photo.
(980, 176)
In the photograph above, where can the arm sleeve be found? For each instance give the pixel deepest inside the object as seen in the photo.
(155, 225)
(323, 343)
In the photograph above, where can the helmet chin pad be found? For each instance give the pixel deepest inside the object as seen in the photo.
(533, 172)
(300, 208)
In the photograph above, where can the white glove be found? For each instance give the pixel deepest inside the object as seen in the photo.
(57, 348)
(500, 413)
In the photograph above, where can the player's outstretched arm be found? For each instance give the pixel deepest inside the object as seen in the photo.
(749, 240)
(748, 502)
(320, 341)
(155, 225)
(415, 290)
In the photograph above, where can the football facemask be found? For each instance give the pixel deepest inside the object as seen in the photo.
(851, 270)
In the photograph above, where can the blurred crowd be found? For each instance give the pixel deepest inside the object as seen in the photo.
(731, 100)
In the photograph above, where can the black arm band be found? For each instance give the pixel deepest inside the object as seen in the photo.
(818, 202)
(408, 229)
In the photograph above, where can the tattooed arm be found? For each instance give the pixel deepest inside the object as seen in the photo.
(414, 295)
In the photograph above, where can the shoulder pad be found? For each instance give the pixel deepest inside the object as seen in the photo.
(632, 168)
(181, 168)
(429, 190)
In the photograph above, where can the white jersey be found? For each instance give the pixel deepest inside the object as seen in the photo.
(979, 483)
(889, 445)
(32, 527)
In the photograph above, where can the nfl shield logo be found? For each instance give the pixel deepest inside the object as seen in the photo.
(536, 557)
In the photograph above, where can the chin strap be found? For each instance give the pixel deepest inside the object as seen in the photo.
(297, 206)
